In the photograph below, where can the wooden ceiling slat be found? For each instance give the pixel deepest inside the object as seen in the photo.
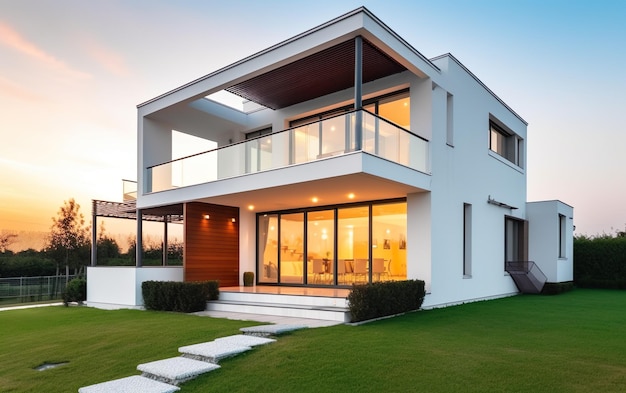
(316, 75)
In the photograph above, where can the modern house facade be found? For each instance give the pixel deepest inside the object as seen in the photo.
(353, 159)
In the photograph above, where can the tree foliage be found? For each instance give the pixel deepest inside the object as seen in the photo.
(68, 242)
(6, 239)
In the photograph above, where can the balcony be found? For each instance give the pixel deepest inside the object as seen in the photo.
(334, 136)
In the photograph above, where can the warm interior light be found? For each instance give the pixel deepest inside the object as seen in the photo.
(233, 219)
(350, 196)
(206, 216)
(314, 199)
(250, 207)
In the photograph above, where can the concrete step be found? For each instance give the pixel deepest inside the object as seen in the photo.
(133, 384)
(318, 301)
(340, 314)
(175, 371)
(212, 351)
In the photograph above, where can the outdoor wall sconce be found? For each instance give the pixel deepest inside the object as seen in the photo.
(206, 216)
(233, 219)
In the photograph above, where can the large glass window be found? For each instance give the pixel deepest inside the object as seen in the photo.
(353, 244)
(389, 241)
(343, 245)
(321, 247)
(292, 248)
(267, 248)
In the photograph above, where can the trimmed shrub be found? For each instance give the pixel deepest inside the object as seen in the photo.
(554, 288)
(75, 291)
(178, 296)
(379, 299)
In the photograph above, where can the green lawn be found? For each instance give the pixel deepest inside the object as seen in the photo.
(574, 342)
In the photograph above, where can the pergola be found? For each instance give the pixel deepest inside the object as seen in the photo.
(128, 210)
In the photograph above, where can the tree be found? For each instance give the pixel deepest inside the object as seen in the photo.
(6, 239)
(68, 242)
(107, 247)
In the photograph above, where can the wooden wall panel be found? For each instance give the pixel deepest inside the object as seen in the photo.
(211, 246)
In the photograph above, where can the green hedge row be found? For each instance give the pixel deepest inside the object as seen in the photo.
(600, 262)
(381, 299)
(178, 296)
(554, 288)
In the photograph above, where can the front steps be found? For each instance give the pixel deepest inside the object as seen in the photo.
(296, 306)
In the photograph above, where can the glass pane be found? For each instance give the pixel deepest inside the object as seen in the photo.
(333, 136)
(268, 249)
(352, 244)
(396, 109)
(306, 143)
(292, 248)
(321, 247)
(389, 241)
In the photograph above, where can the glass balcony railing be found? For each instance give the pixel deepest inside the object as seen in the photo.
(326, 138)
(129, 189)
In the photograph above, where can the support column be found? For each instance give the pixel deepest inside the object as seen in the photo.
(139, 241)
(165, 220)
(94, 234)
(358, 92)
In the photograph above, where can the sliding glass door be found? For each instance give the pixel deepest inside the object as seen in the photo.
(337, 245)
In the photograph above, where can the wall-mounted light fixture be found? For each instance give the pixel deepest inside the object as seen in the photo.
(233, 219)
(206, 217)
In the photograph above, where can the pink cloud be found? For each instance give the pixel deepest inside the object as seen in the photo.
(11, 89)
(11, 38)
(108, 59)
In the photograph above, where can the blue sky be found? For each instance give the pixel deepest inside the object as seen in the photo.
(72, 73)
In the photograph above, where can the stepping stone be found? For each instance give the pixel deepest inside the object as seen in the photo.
(245, 340)
(134, 384)
(212, 351)
(176, 370)
(271, 330)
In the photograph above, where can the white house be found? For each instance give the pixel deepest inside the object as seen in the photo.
(354, 158)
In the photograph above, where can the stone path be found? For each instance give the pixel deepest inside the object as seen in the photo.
(164, 376)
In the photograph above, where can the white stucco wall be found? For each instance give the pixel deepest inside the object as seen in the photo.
(112, 287)
(543, 236)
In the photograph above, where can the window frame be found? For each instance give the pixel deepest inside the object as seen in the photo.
(511, 145)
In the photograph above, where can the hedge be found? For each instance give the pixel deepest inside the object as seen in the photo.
(178, 296)
(75, 291)
(600, 262)
(555, 288)
(379, 299)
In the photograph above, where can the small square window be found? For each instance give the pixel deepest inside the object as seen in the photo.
(506, 144)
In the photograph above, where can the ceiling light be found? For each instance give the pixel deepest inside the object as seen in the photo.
(250, 207)
(351, 195)
(314, 199)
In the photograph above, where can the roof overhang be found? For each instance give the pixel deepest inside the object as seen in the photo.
(314, 63)
(319, 74)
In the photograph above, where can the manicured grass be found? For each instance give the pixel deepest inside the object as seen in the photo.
(572, 342)
(99, 345)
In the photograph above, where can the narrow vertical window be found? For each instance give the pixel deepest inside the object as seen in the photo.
(449, 120)
(562, 239)
(467, 240)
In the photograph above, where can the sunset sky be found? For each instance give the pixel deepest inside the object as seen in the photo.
(73, 71)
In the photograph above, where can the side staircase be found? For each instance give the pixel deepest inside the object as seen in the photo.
(527, 276)
(298, 306)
